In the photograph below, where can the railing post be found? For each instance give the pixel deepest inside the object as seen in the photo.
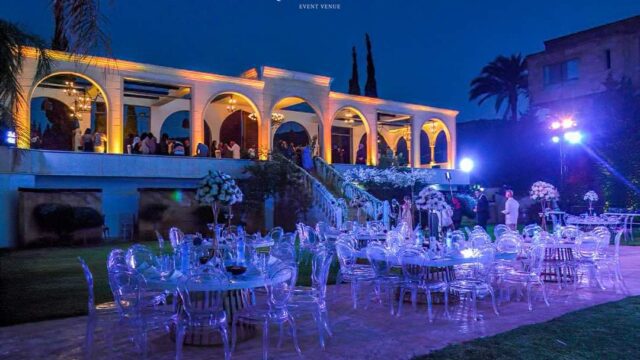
(386, 209)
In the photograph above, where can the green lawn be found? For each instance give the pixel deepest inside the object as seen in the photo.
(608, 331)
(42, 284)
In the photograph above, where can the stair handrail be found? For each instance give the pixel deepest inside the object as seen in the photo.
(333, 208)
(379, 209)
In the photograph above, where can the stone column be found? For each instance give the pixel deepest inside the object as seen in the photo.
(199, 99)
(372, 137)
(415, 143)
(113, 88)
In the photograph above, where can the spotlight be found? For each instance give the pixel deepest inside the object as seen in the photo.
(555, 125)
(466, 165)
(573, 137)
(555, 139)
(567, 123)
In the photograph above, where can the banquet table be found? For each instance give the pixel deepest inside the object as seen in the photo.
(236, 296)
(591, 222)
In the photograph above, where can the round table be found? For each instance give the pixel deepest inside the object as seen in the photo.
(236, 295)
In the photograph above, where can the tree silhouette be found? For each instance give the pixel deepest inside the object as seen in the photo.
(370, 88)
(354, 82)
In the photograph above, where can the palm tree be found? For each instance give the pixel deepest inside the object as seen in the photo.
(503, 78)
(13, 41)
(78, 30)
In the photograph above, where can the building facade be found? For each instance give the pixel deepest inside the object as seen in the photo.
(564, 78)
(258, 102)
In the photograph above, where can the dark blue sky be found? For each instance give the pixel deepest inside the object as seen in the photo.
(425, 51)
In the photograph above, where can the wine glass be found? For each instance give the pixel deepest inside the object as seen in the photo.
(166, 265)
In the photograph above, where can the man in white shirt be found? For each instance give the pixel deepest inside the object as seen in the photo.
(511, 211)
(235, 149)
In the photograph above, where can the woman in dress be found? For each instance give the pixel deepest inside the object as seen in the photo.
(406, 213)
(87, 141)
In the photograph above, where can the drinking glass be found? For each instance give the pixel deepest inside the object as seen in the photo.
(166, 265)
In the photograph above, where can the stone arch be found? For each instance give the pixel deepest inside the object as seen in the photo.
(317, 112)
(355, 140)
(433, 127)
(291, 123)
(23, 139)
(215, 125)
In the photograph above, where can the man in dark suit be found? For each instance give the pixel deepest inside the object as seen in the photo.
(482, 208)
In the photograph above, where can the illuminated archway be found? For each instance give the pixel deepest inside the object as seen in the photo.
(291, 132)
(295, 109)
(231, 115)
(177, 126)
(402, 152)
(382, 146)
(431, 138)
(76, 104)
(348, 125)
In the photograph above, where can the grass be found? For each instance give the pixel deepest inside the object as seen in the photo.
(608, 331)
(44, 284)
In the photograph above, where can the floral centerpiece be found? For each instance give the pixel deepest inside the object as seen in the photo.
(218, 189)
(544, 193)
(591, 196)
(433, 201)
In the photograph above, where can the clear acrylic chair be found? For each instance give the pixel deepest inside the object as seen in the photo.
(479, 239)
(136, 311)
(531, 230)
(478, 284)
(116, 259)
(610, 261)
(202, 305)
(312, 300)
(589, 255)
(416, 276)
(500, 229)
(350, 271)
(140, 258)
(528, 274)
(280, 288)
(276, 234)
(384, 281)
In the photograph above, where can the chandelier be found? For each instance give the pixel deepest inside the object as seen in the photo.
(231, 104)
(70, 88)
(276, 118)
(348, 117)
(83, 103)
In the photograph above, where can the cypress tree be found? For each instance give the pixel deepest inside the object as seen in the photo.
(354, 82)
(59, 41)
(370, 88)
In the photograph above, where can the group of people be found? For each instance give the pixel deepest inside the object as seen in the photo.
(93, 141)
(148, 144)
(230, 150)
(511, 209)
(302, 155)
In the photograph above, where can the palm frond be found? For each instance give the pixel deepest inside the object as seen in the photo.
(82, 25)
(13, 41)
(499, 79)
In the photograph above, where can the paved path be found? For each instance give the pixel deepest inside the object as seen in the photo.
(358, 334)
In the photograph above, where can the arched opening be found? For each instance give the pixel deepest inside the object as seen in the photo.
(68, 113)
(295, 113)
(402, 152)
(434, 144)
(440, 151)
(292, 132)
(425, 148)
(362, 150)
(348, 132)
(232, 119)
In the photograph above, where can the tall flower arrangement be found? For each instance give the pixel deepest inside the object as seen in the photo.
(591, 196)
(433, 201)
(545, 193)
(218, 189)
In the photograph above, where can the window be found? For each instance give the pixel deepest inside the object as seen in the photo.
(607, 56)
(561, 72)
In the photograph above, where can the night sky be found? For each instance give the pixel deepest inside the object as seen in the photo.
(425, 51)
